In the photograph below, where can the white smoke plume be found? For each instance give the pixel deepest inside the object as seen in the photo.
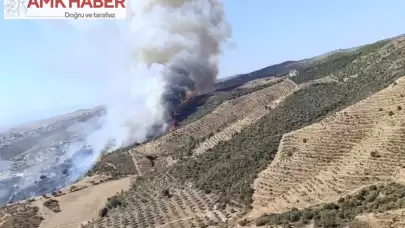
(175, 48)
(140, 70)
(168, 48)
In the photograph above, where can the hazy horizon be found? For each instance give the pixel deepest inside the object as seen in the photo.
(51, 70)
(72, 110)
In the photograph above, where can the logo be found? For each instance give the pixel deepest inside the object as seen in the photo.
(65, 9)
(14, 8)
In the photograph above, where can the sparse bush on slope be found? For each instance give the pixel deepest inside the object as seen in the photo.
(334, 63)
(206, 104)
(226, 172)
(117, 164)
(372, 199)
(230, 168)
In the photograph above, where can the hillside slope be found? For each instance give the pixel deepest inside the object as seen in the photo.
(201, 133)
(289, 146)
(31, 150)
(358, 146)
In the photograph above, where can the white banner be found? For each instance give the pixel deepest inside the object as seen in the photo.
(65, 9)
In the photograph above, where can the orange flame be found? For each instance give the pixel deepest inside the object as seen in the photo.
(189, 94)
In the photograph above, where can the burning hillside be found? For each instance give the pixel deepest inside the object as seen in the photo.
(187, 100)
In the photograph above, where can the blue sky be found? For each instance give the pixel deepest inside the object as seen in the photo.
(36, 81)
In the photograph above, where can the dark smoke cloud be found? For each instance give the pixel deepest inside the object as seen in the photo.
(186, 75)
(149, 64)
(192, 31)
(169, 48)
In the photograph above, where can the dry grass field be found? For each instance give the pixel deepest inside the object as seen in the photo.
(78, 207)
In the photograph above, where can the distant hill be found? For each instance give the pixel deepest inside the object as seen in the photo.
(323, 147)
(284, 68)
(274, 70)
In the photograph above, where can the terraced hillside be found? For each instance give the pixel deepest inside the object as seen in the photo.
(257, 82)
(164, 202)
(227, 119)
(359, 146)
(230, 167)
(225, 171)
(307, 147)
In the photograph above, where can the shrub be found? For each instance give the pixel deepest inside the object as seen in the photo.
(113, 202)
(166, 193)
(330, 206)
(243, 222)
(52, 205)
(328, 219)
(390, 113)
(152, 159)
(73, 188)
(262, 220)
(103, 212)
(399, 108)
(373, 188)
(372, 196)
(307, 215)
(374, 154)
(295, 216)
